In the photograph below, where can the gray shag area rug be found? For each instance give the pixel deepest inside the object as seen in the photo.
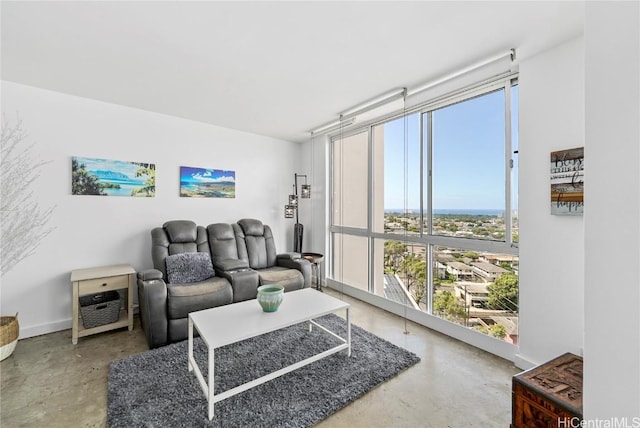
(155, 389)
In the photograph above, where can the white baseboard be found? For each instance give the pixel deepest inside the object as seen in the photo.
(38, 330)
(522, 362)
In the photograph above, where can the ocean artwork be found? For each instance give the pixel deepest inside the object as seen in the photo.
(207, 183)
(105, 177)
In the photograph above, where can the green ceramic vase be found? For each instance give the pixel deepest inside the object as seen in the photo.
(270, 296)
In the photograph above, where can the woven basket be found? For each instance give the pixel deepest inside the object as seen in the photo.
(9, 332)
(100, 309)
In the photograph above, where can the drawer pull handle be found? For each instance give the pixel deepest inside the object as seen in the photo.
(104, 284)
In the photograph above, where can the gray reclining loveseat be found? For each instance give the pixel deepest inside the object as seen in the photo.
(198, 268)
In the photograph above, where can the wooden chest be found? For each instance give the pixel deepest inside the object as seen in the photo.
(549, 395)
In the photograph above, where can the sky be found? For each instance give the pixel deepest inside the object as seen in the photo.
(468, 156)
(124, 167)
(203, 175)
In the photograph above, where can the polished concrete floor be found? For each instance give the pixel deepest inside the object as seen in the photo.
(48, 382)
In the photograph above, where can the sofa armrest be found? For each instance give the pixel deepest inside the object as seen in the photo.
(227, 265)
(300, 264)
(152, 298)
(149, 274)
(244, 283)
(288, 256)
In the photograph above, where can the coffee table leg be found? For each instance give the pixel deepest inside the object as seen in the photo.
(190, 344)
(348, 333)
(211, 366)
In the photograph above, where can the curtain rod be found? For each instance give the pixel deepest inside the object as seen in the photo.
(349, 114)
(374, 102)
(327, 127)
(447, 77)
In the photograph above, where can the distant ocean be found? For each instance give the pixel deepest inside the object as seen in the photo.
(456, 211)
(469, 211)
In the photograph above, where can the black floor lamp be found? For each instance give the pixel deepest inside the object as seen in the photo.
(291, 209)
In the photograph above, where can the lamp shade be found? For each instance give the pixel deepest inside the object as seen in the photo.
(305, 191)
(289, 211)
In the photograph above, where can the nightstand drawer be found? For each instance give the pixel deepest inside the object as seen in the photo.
(98, 285)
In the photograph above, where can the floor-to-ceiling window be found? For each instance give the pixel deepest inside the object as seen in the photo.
(424, 209)
(350, 184)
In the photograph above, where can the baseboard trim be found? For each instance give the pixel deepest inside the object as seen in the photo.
(39, 330)
(522, 362)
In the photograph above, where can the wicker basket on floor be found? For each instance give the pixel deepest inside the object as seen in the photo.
(9, 332)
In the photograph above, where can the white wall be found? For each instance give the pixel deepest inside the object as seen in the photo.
(612, 212)
(551, 247)
(93, 230)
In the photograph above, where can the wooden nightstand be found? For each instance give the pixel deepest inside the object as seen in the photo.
(98, 280)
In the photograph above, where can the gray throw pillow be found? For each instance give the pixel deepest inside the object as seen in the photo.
(184, 268)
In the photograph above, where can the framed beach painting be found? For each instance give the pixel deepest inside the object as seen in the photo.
(207, 183)
(105, 177)
(567, 182)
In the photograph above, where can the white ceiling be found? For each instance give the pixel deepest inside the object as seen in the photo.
(272, 68)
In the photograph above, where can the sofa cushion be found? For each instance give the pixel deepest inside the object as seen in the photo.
(257, 252)
(181, 230)
(222, 231)
(230, 265)
(222, 241)
(251, 227)
(185, 298)
(290, 279)
(184, 268)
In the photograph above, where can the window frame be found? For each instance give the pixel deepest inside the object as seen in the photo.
(474, 91)
(426, 238)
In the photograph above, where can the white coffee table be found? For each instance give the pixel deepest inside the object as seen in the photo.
(239, 321)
